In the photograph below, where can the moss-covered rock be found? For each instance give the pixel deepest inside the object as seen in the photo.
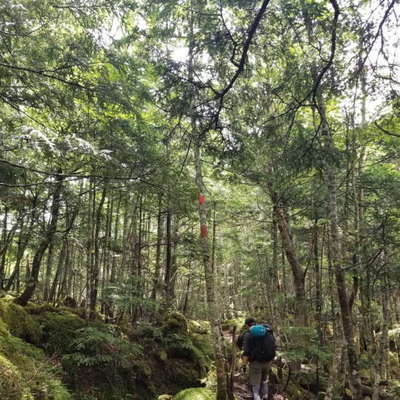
(11, 385)
(195, 394)
(25, 373)
(19, 322)
(175, 323)
(199, 327)
(58, 329)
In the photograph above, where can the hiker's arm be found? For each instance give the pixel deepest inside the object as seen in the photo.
(246, 348)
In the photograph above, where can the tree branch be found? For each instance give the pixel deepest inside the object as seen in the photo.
(380, 27)
(45, 74)
(385, 131)
(333, 49)
(240, 65)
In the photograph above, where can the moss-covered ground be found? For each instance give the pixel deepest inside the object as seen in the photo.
(49, 353)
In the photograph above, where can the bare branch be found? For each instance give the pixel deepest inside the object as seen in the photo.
(378, 32)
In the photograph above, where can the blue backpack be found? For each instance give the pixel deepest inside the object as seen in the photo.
(262, 346)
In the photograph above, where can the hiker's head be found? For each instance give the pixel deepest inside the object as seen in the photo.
(250, 321)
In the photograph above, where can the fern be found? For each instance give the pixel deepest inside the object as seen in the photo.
(97, 348)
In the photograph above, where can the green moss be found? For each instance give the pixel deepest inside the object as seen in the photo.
(195, 394)
(36, 309)
(199, 327)
(175, 323)
(25, 373)
(204, 344)
(59, 329)
(19, 322)
(3, 328)
(11, 385)
(162, 355)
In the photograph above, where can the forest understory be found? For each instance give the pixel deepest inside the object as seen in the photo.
(53, 353)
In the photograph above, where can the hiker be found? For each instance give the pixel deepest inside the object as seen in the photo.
(247, 324)
(258, 345)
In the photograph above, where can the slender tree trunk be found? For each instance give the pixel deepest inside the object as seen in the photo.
(43, 245)
(49, 267)
(157, 269)
(23, 240)
(3, 247)
(335, 248)
(168, 259)
(95, 265)
(290, 252)
(57, 277)
(210, 283)
(212, 306)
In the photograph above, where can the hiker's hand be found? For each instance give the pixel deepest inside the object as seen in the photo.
(242, 366)
(244, 360)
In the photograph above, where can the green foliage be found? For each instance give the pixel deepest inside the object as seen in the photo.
(129, 295)
(303, 346)
(93, 347)
(59, 328)
(149, 332)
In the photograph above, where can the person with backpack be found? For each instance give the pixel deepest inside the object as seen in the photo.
(245, 330)
(259, 350)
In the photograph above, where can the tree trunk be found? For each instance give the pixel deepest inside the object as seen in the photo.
(290, 252)
(157, 269)
(43, 245)
(335, 251)
(95, 266)
(210, 282)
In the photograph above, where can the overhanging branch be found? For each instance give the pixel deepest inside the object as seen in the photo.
(240, 65)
